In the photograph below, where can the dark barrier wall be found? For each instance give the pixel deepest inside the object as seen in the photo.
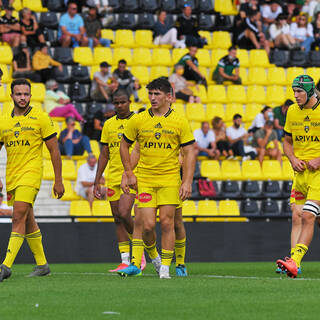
(229, 241)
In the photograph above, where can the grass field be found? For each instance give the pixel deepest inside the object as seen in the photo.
(212, 291)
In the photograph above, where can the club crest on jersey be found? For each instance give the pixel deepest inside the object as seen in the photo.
(306, 129)
(157, 135)
(16, 134)
(119, 135)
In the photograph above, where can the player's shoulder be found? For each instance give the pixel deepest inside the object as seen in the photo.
(294, 108)
(36, 113)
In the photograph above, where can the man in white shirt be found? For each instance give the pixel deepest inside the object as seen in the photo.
(205, 141)
(85, 180)
(4, 209)
(270, 13)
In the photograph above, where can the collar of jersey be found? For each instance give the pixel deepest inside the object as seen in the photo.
(314, 107)
(165, 115)
(128, 117)
(28, 111)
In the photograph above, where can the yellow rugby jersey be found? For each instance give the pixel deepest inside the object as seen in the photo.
(23, 136)
(160, 139)
(111, 135)
(304, 127)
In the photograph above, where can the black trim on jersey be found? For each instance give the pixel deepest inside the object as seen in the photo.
(49, 137)
(150, 112)
(28, 111)
(287, 133)
(128, 117)
(104, 143)
(127, 140)
(168, 113)
(187, 143)
(316, 105)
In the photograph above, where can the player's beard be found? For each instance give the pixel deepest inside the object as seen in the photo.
(21, 108)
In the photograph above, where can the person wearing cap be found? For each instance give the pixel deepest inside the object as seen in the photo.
(5, 210)
(301, 146)
(103, 83)
(280, 114)
(10, 28)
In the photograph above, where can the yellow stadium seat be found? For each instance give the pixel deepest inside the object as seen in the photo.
(277, 76)
(80, 163)
(216, 55)
(293, 72)
(232, 109)
(287, 171)
(242, 55)
(80, 208)
(243, 75)
(101, 54)
(6, 54)
(48, 173)
(17, 5)
(177, 53)
(179, 108)
(204, 71)
(38, 91)
(314, 73)
(141, 56)
(83, 56)
(5, 94)
(7, 73)
(194, 125)
(141, 73)
(68, 170)
(290, 93)
(230, 170)
(124, 38)
(275, 95)
(271, 170)
(207, 35)
(221, 40)
(256, 94)
(257, 75)
(34, 5)
(215, 110)
(101, 208)
(161, 57)
(225, 7)
(69, 193)
(210, 169)
(201, 92)
(122, 53)
(144, 38)
(189, 208)
(143, 94)
(204, 58)
(259, 58)
(217, 93)
(107, 34)
(252, 109)
(228, 208)
(95, 147)
(207, 208)
(251, 170)
(236, 93)
(158, 71)
(195, 111)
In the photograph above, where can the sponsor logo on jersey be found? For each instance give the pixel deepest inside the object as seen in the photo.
(17, 143)
(306, 118)
(121, 127)
(295, 123)
(110, 192)
(306, 129)
(16, 134)
(145, 197)
(17, 125)
(167, 131)
(27, 129)
(157, 145)
(315, 124)
(157, 135)
(307, 139)
(34, 118)
(114, 144)
(158, 125)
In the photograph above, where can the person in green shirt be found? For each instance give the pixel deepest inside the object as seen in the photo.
(280, 114)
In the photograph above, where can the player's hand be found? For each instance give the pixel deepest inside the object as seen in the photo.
(313, 164)
(97, 191)
(185, 191)
(298, 165)
(1, 186)
(124, 184)
(132, 180)
(58, 189)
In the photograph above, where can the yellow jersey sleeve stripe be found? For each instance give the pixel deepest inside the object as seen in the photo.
(127, 139)
(49, 137)
(187, 143)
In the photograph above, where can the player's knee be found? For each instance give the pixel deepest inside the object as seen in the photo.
(296, 218)
(167, 224)
(19, 218)
(117, 219)
(148, 227)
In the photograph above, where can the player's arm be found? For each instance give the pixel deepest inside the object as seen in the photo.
(188, 165)
(297, 164)
(102, 163)
(126, 162)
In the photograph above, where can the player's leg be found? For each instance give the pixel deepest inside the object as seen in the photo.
(125, 206)
(180, 243)
(296, 223)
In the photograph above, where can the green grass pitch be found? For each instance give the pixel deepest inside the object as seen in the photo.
(211, 291)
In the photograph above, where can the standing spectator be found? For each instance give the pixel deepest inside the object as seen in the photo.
(228, 68)
(280, 114)
(71, 28)
(187, 27)
(99, 118)
(5, 210)
(205, 142)
(269, 13)
(261, 118)
(57, 103)
(42, 63)
(103, 83)
(30, 31)
(72, 141)
(85, 180)
(302, 32)
(191, 67)
(316, 30)
(266, 143)
(126, 80)
(10, 28)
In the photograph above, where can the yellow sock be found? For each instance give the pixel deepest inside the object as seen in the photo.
(152, 250)
(130, 236)
(166, 257)
(137, 251)
(124, 247)
(34, 240)
(299, 251)
(180, 251)
(292, 251)
(15, 242)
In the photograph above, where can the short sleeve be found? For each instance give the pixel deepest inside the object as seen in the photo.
(186, 136)
(47, 128)
(104, 135)
(62, 22)
(131, 132)
(287, 126)
(80, 21)
(212, 136)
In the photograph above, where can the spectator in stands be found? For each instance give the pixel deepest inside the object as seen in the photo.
(261, 118)
(5, 210)
(309, 7)
(85, 180)
(126, 80)
(269, 14)
(164, 34)
(302, 32)
(57, 103)
(219, 130)
(316, 30)
(93, 28)
(99, 118)
(228, 68)
(191, 67)
(71, 28)
(10, 28)
(181, 86)
(102, 6)
(250, 37)
(187, 27)
(280, 114)
(205, 142)
(6, 3)
(30, 31)
(103, 83)
(72, 141)
(42, 63)
(266, 143)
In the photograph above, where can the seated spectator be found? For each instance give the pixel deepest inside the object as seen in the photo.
(180, 86)
(93, 28)
(269, 14)
(42, 63)
(71, 28)
(191, 67)
(261, 118)
(126, 80)
(5, 210)
(188, 27)
(266, 143)
(205, 142)
(6, 3)
(163, 34)
(302, 32)
(228, 68)
(219, 130)
(85, 180)
(10, 28)
(103, 84)
(280, 114)
(72, 141)
(31, 34)
(99, 118)
(102, 6)
(309, 7)
(316, 30)
(57, 103)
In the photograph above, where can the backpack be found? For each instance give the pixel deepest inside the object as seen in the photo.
(206, 188)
